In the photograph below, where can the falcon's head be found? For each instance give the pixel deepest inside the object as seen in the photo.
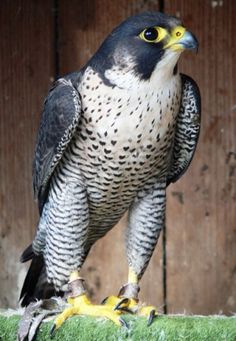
(143, 43)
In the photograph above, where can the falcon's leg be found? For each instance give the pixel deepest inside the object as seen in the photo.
(146, 219)
(67, 222)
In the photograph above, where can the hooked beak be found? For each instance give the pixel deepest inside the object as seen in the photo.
(182, 40)
(187, 42)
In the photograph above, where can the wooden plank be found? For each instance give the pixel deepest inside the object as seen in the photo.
(83, 26)
(201, 229)
(26, 62)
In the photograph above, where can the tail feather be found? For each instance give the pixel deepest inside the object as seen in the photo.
(35, 285)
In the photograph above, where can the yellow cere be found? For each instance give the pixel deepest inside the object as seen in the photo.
(155, 34)
(176, 34)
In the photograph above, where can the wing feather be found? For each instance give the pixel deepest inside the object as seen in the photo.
(59, 121)
(187, 129)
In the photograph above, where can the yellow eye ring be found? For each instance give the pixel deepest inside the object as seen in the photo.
(153, 34)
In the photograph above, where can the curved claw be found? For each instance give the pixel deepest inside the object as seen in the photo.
(151, 317)
(104, 300)
(119, 304)
(124, 323)
(52, 331)
(125, 310)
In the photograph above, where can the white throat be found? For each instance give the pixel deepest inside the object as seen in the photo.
(164, 69)
(126, 78)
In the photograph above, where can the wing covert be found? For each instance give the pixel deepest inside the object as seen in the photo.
(187, 129)
(59, 120)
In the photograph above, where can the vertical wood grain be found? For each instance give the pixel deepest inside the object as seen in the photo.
(26, 66)
(82, 28)
(83, 25)
(201, 217)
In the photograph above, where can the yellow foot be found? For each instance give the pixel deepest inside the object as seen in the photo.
(81, 305)
(130, 305)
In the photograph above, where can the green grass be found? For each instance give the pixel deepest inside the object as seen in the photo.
(164, 328)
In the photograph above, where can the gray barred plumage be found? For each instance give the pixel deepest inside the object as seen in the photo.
(187, 129)
(146, 219)
(135, 165)
(112, 137)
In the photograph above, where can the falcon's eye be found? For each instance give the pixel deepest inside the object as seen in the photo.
(150, 34)
(153, 34)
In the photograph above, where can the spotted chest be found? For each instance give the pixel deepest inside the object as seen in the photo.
(124, 135)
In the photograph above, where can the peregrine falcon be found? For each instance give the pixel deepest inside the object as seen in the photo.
(112, 137)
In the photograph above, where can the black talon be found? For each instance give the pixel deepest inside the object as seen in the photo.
(151, 317)
(126, 310)
(104, 300)
(124, 323)
(52, 331)
(118, 306)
